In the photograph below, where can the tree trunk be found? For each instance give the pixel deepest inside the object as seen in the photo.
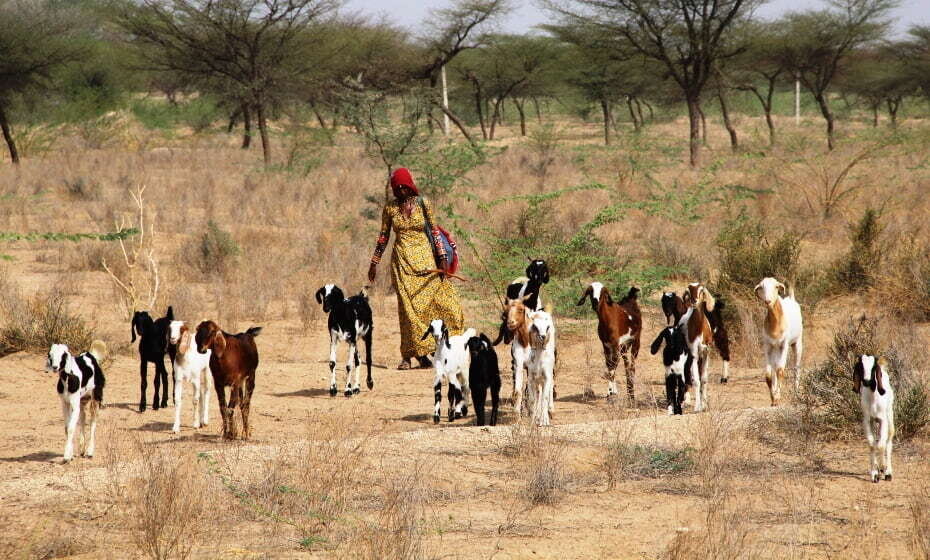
(247, 127)
(771, 125)
(694, 139)
(8, 136)
(703, 124)
(652, 114)
(233, 118)
(629, 104)
(875, 115)
(495, 117)
(828, 116)
(639, 111)
(319, 117)
(461, 126)
(479, 108)
(605, 108)
(538, 114)
(263, 131)
(893, 106)
(522, 114)
(725, 112)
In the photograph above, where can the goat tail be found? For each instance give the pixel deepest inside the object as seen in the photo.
(98, 349)
(254, 331)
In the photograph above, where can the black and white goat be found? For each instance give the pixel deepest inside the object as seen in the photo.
(80, 388)
(526, 289)
(871, 381)
(675, 357)
(483, 374)
(350, 319)
(152, 348)
(451, 362)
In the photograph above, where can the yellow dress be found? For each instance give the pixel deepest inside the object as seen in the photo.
(421, 296)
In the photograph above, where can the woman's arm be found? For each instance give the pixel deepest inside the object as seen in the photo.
(437, 242)
(383, 236)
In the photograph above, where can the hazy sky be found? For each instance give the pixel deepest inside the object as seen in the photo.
(409, 13)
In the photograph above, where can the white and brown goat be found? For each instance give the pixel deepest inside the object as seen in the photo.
(619, 327)
(783, 328)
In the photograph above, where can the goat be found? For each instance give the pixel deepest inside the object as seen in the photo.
(451, 361)
(676, 357)
(674, 307)
(194, 367)
(80, 388)
(233, 362)
(619, 327)
(516, 315)
(349, 319)
(483, 374)
(783, 328)
(537, 274)
(540, 368)
(698, 336)
(877, 401)
(153, 346)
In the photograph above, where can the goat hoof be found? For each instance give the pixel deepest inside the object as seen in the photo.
(332, 391)
(356, 391)
(141, 407)
(435, 419)
(723, 380)
(887, 476)
(464, 411)
(875, 478)
(371, 384)
(348, 392)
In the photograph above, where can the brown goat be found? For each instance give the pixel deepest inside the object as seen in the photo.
(699, 336)
(232, 363)
(619, 327)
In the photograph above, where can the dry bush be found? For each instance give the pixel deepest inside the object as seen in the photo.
(623, 459)
(169, 503)
(37, 322)
(903, 286)
(919, 509)
(726, 534)
(663, 251)
(855, 271)
(826, 391)
(539, 459)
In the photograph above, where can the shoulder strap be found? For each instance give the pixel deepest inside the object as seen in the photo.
(428, 227)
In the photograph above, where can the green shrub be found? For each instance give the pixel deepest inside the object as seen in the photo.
(826, 392)
(749, 253)
(217, 249)
(855, 271)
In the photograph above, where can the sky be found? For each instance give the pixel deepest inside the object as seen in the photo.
(409, 13)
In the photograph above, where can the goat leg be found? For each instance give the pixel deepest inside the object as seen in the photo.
(143, 383)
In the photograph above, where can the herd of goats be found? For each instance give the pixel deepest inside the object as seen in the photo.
(468, 362)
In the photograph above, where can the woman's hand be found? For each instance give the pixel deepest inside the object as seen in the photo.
(372, 273)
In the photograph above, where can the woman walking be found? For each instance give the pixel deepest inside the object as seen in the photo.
(422, 293)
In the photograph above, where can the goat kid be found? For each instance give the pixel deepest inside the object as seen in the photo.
(675, 356)
(619, 328)
(80, 388)
(451, 362)
(233, 362)
(783, 329)
(698, 336)
(193, 367)
(540, 368)
(483, 374)
(537, 274)
(349, 320)
(876, 397)
(674, 307)
(152, 348)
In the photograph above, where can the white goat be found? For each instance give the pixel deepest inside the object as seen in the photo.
(80, 387)
(193, 367)
(783, 328)
(450, 361)
(877, 401)
(541, 368)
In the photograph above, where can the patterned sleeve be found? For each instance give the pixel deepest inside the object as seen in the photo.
(437, 241)
(383, 236)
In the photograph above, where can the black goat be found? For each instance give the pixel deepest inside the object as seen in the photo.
(677, 362)
(673, 307)
(153, 345)
(537, 274)
(483, 374)
(349, 319)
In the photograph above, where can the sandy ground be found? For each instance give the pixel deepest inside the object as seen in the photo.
(637, 519)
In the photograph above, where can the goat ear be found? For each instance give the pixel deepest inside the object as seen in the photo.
(484, 338)
(605, 295)
(857, 377)
(781, 288)
(185, 343)
(64, 362)
(426, 333)
(758, 290)
(319, 295)
(445, 336)
(878, 374)
(170, 314)
(132, 326)
(219, 344)
(545, 275)
(587, 293)
(657, 343)
(686, 296)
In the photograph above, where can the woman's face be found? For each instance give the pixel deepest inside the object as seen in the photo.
(404, 193)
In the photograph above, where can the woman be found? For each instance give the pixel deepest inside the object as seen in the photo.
(422, 294)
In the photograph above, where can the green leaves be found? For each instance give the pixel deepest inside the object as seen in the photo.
(59, 236)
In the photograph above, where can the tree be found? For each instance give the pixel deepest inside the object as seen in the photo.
(256, 48)
(879, 78)
(687, 36)
(759, 69)
(915, 52)
(819, 42)
(36, 38)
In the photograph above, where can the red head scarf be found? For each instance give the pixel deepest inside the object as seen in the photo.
(402, 178)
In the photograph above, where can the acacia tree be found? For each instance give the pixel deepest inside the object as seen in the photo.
(820, 41)
(914, 51)
(688, 37)
(36, 38)
(256, 47)
(879, 78)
